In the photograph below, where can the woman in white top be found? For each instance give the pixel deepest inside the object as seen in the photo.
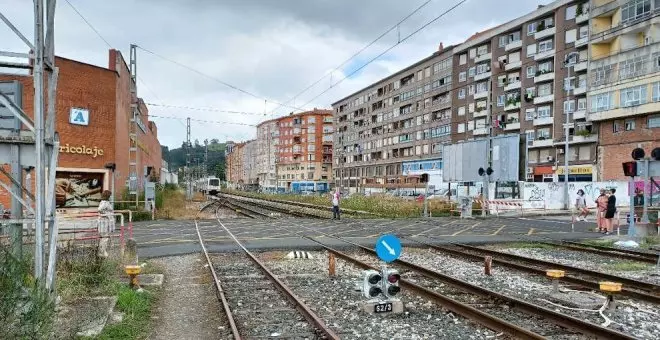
(581, 206)
(106, 222)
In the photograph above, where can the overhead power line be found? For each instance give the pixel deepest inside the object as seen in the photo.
(358, 52)
(201, 120)
(216, 79)
(210, 109)
(388, 49)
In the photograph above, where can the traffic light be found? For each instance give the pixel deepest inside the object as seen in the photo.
(371, 286)
(655, 154)
(391, 282)
(481, 171)
(637, 153)
(489, 171)
(630, 168)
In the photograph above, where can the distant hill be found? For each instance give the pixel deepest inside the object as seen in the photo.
(176, 158)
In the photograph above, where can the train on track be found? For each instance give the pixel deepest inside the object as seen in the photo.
(208, 185)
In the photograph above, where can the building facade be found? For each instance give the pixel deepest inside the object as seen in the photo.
(624, 92)
(304, 150)
(512, 79)
(267, 142)
(402, 118)
(93, 116)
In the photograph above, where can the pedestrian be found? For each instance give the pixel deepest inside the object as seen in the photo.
(610, 211)
(601, 206)
(106, 222)
(335, 205)
(581, 205)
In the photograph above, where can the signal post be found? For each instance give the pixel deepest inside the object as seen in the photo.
(381, 287)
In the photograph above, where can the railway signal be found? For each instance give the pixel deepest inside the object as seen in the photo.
(391, 282)
(372, 285)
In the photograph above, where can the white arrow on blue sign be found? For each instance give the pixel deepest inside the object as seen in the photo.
(388, 248)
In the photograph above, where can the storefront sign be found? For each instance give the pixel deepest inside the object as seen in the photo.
(78, 116)
(78, 189)
(81, 150)
(576, 170)
(142, 147)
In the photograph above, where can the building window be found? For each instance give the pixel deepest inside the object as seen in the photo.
(634, 10)
(461, 127)
(602, 75)
(482, 87)
(531, 71)
(472, 71)
(530, 135)
(545, 67)
(582, 104)
(569, 106)
(617, 126)
(630, 124)
(602, 102)
(461, 93)
(571, 36)
(310, 157)
(462, 76)
(543, 133)
(545, 46)
(584, 31)
(503, 40)
(531, 28)
(545, 90)
(311, 120)
(473, 53)
(633, 96)
(653, 122)
(500, 100)
(544, 112)
(483, 68)
(481, 50)
(529, 114)
(501, 80)
(461, 111)
(570, 12)
(632, 67)
(531, 50)
(462, 59)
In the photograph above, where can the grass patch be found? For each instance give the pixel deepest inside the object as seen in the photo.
(80, 273)
(598, 242)
(527, 245)
(627, 266)
(381, 205)
(137, 315)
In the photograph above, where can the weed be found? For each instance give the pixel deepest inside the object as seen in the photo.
(599, 242)
(137, 313)
(627, 266)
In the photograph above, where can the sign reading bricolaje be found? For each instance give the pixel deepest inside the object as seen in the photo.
(81, 150)
(78, 116)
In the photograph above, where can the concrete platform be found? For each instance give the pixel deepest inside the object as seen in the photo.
(165, 238)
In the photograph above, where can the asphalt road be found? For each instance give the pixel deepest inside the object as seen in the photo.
(165, 238)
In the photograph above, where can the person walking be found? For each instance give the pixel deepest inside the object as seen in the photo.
(581, 205)
(610, 211)
(335, 205)
(601, 206)
(106, 222)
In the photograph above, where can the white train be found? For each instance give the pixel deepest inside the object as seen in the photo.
(208, 185)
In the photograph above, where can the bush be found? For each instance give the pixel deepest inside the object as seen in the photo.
(26, 308)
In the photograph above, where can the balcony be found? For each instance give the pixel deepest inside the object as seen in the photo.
(512, 126)
(544, 55)
(603, 8)
(483, 57)
(481, 95)
(544, 121)
(514, 45)
(545, 33)
(297, 151)
(582, 114)
(512, 105)
(480, 131)
(480, 113)
(579, 139)
(481, 76)
(541, 76)
(582, 42)
(616, 112)
(582, 18)
(513, 66)
(544, 99)
(512, 86)
(581, 66)
(540, 143)
(580, 90)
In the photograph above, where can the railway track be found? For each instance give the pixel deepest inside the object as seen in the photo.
(259, 207)
(258, 304)
(617, 253)
(462, 296)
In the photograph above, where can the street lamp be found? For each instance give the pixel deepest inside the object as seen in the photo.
(112, 167)
(569, 62)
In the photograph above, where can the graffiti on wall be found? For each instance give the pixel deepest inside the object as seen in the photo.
(551, 194)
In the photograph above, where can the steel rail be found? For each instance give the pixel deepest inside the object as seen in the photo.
(298, 303)
(218, 288)
(284, 210)
(650, 287)
(540, 272)
(241, 210)
(306, 205)
(628, 254)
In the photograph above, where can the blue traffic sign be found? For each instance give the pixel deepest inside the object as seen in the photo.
(388, 248)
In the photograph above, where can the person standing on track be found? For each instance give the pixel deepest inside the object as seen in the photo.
(610, 211)
(581, 205)
(335, 205)
(601, 206)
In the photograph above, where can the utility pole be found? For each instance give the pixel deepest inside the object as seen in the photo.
(489, 141)
(568, 62)
(188, 174)
(206, 157)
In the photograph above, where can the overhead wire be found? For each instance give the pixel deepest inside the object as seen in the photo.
(358, 52)
(201, 120)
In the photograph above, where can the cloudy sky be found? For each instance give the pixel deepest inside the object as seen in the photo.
(271, 49)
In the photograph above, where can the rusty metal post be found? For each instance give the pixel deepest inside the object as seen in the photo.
(331, 264)
(488, 264)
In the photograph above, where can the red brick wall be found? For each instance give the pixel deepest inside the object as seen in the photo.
(616, 148)
(122, 119)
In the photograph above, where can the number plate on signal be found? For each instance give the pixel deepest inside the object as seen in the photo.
(383, 307)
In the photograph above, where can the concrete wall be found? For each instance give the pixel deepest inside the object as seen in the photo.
(551, 194)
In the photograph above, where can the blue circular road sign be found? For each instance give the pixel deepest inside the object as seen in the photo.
(388, 248)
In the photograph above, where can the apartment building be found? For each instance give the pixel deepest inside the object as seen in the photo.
(267, 142)
(241, 165)
(624, 90)
(393, 125)
(512, 79)
(304, 151)
(249, 169)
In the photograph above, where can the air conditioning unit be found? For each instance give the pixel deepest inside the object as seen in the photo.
(530, 170)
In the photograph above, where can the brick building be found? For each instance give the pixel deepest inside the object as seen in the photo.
(92, 119)
(267, 140)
